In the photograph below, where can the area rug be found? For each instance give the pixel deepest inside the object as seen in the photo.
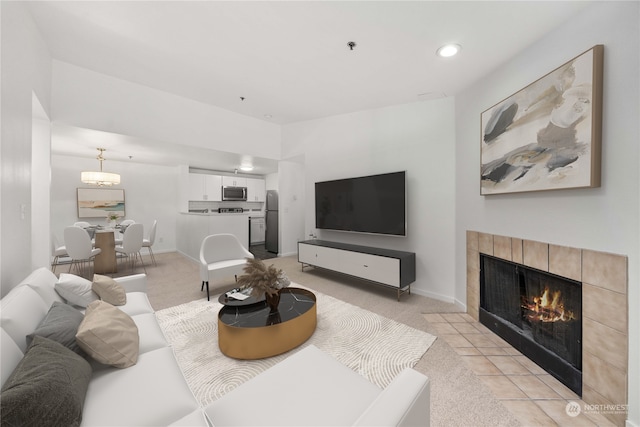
(374, 346)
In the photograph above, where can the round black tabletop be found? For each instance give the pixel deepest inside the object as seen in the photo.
(224, 299)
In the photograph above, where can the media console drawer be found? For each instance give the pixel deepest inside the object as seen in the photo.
(392, 268)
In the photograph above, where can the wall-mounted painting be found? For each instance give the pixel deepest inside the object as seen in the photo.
(547, 136)
(99, 202)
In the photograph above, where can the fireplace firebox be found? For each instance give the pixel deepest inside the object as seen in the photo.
(538, 313)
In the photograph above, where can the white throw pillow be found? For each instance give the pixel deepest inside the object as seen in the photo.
(75, 289)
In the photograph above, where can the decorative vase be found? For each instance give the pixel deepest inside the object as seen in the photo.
(273, 300)
(112, 223)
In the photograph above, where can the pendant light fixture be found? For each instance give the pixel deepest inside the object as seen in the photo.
(101, 179)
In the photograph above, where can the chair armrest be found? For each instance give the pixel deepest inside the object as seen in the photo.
(405, 402)
(133, 283)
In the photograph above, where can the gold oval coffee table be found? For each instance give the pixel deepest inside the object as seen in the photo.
(255, 332)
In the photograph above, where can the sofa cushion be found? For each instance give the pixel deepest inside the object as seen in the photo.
(151, 335)
(109, 290)
(75, 289)
(43, 281)
(404, 402)
(307, 373)
(10, 355)
(153, 392)
(109, 335)
(22, 311)
(137, 303)
(194, 419)
(48, 387)
(133, 283)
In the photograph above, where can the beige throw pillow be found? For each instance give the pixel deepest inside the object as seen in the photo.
(109, 335)
(109, 290)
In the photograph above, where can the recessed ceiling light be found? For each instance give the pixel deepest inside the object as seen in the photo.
(448, 50)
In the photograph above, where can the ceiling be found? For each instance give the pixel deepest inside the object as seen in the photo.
(287, 61)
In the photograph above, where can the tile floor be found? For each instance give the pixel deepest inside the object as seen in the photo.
(533, 396)
(260, 252)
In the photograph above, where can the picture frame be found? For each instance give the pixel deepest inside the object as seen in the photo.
(548, 135)
(99, 202)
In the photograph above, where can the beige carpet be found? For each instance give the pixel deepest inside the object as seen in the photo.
(458, 397)
(374, 346)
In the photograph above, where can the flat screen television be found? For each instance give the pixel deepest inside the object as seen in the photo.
(368, 204)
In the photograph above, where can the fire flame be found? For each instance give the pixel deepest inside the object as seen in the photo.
(548, 307)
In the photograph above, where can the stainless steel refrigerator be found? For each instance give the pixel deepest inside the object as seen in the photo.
(271, 222)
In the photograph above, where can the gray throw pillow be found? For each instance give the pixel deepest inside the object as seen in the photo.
(47, 388)
(60, 325)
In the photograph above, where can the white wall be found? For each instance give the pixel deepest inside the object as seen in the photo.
(150, 191)
(40, 185)
(603, 219)
(271, 181)
(26, 70)
(292, 205)
(418, 138)
(87, 99)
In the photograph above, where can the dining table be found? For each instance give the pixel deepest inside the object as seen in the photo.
(105, 261)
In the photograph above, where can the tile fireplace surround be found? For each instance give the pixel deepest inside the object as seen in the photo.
(605, 325)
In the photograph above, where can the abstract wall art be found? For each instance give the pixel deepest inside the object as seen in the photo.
(99, 202)
(546, 136)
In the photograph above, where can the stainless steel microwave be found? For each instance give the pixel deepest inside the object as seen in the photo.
(234, 193)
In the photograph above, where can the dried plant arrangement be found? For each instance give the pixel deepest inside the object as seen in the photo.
(262, 279)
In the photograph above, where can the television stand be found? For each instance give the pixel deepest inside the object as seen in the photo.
(391, 268)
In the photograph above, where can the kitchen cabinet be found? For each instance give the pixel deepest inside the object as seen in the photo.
(256, 190)
(234, 181)
(204, 187)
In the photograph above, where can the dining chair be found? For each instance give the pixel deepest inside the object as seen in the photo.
(79, 248)
(58, 251)
(147, 243)
(122, 228)
(221, 255)
(82, 224)
(132, 243)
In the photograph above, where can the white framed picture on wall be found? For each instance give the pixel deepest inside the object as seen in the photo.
(100, 202)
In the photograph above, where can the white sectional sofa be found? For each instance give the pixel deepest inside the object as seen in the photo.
(308, 388)
(153, 392)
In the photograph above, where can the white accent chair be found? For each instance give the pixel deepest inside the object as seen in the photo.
(57, 251)
(147, 243)
(221, 255)
(79, 248)
(125, 223)
(132, 243)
